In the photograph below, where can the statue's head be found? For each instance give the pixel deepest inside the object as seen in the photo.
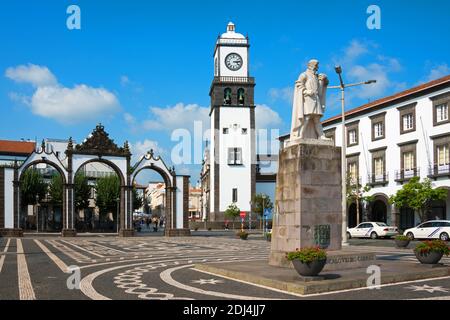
(313, 65)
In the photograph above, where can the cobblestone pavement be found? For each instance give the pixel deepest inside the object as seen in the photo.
(155, 268)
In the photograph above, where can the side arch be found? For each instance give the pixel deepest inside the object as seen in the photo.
(41, 157)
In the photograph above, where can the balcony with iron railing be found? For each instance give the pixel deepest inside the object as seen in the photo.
(378, 179)
(405, 175)
(437, 171)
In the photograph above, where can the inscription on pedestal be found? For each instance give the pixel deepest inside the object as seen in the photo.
(322, 235)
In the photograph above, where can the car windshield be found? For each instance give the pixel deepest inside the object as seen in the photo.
(381, 224)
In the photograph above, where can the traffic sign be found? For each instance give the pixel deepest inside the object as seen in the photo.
(243, 214)
(267, 213)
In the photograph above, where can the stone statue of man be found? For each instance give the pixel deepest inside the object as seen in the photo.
(309, 103)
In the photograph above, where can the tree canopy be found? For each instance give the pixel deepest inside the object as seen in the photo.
(108, 193)
(261, 201)
(418, 196)
(32, 187)
(82, 191)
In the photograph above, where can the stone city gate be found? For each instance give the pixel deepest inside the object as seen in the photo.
(98, 147)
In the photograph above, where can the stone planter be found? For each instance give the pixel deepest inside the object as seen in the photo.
(432, 257)
(402, 243)
(243, 236)
(310, 269)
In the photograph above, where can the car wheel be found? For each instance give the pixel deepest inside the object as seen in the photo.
(349, 236)
(444, 236)
(410, 235)
(374, 235)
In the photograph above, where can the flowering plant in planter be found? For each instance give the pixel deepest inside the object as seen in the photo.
(308, 262)
(431, 252)
(401, 237)
(307, 255)
(242, 234)
(433, 246)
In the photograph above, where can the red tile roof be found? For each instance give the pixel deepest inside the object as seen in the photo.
(16, 147)
(392, 98)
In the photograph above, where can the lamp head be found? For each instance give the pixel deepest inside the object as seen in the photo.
(371, 81)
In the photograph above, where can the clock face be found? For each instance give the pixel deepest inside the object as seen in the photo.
(233, 61)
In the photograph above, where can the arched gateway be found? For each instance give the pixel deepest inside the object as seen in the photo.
(98, 147)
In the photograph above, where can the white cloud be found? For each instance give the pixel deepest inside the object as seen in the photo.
(265, 117)
(17, 97)
(361, 62)
(66, 105)
(73, 105)
(124, 80)
(129, 119)
(140, 148)
(178, 116)
(355, 50)
(437, 72)
(38, 76)
(286, 94)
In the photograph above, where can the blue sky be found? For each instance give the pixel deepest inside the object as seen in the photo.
(143, 68)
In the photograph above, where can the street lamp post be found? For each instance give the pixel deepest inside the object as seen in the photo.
(342, 87)
(37, 213)
(264, 217)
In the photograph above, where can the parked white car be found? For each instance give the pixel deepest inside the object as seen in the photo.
(372, 230)
(434, 229)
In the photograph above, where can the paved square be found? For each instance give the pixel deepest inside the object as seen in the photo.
(156, 268)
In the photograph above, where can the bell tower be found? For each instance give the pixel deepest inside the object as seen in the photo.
(232, 150)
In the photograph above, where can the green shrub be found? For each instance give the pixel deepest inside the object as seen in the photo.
(401, 237)
(307, 255)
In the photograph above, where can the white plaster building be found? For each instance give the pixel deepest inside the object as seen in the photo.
(393, 139)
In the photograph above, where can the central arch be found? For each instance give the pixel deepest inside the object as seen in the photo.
(120, 215)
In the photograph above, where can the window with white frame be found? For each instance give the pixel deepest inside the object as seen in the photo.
(442, 112)
(234, 156)
(378, 130)
(408, 161)
(352, 137)
(408, 122)
(443, 155)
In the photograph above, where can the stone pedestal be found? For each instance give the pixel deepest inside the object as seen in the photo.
(69, 233)
(11, 232)
(308, 199)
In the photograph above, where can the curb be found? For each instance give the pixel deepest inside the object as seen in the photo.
(326, 285)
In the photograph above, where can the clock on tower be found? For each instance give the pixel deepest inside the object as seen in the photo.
(232, 149)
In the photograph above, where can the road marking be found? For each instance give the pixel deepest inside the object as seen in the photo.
(166, 276)
(26, 291)
(86, 284)
(75, 255)
(83, 249)
(2, 258)
(109, 248)
(64, 268)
